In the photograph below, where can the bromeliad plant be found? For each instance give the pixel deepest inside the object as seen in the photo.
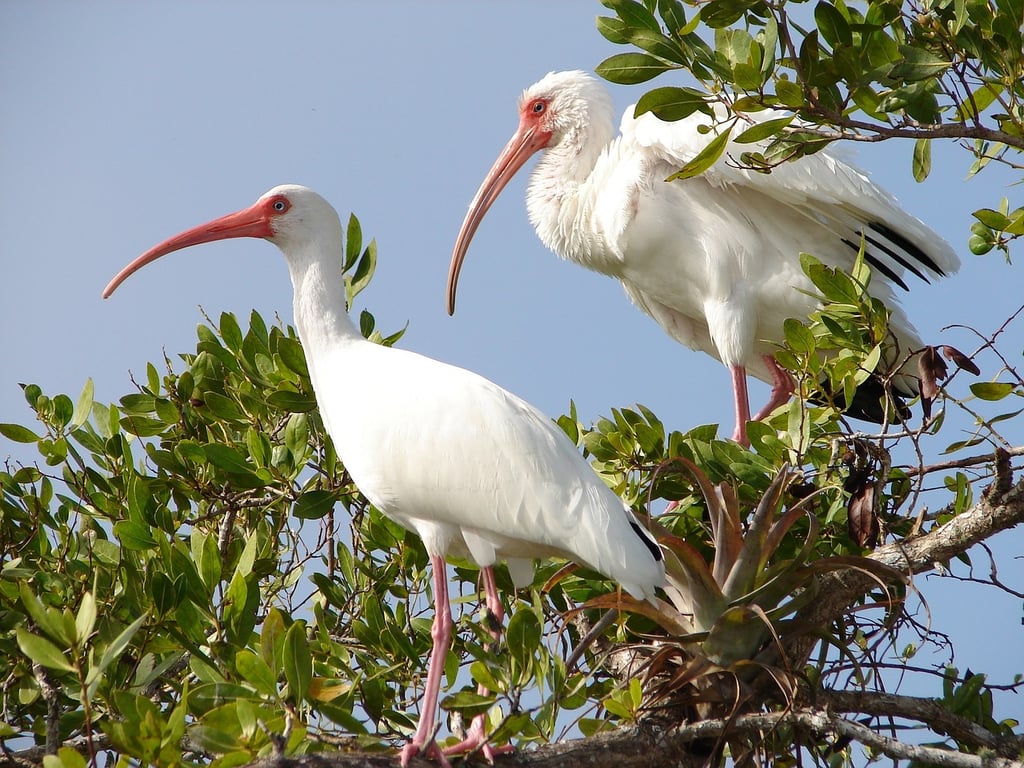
(726, 621)
(748, 533)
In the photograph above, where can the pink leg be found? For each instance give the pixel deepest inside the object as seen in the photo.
(742, 403)
(477, 736)
(441, 633)
(783, 387)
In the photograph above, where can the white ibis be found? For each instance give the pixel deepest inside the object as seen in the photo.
(468, 466)
(713, 259)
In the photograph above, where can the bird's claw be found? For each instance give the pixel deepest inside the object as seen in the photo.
(476, 739)
(430, 751)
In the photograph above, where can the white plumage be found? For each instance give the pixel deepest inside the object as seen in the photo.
(713, 259)
(469, 467)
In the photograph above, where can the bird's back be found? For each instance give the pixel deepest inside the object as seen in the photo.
(821, 187)
(435, 445)
(715, 258)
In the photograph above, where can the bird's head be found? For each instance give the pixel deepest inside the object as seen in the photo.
(560, 110)
(562, 105)
(290, 216)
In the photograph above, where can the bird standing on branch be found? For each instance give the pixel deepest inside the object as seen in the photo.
(715, 258)
(468, 466)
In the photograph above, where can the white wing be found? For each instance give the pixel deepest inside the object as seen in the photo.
(443, 446)
(822, 184)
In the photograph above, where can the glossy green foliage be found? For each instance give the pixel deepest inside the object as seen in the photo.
(189, 576)
(951, 69)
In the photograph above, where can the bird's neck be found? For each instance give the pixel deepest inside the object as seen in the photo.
(561, 198)
(319, 303)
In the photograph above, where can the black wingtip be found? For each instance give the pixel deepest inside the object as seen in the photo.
(649, 542)
(912, 249)
(871, 402)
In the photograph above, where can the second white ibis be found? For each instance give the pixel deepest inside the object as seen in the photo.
(468, 466)
(713, 259)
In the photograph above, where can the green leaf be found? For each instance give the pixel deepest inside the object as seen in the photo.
(470, 703)
(228, 459)
(63, 409)
(167, 593)
(746, 76)
(83, 407)
(832, 25)
(631, 68)
(312, 505)
(139, 404)
(991, 390)
(966, 696)
(672, 103)
(798, 336)
(18, 433)
(1016, 225)
(295, 402)
(760, 131)
(47, 619)
(256, 671)
(241, 594)
(672, 12)
(118, 645)
(207, 558)
(298, 663)
(922, 159)
(353, 242)
(42, 651)
(247, 559)
(917, 64)
(704, 159)
(230, 331)
(992, 219)
(656, 43)
(292, 355)
(133, 535)
(363, 272)
(523, 637)
(85, 619)
(789, 93)
(613, 30)
(224, 408)
(634, 14)
(66, 757)
(296, 434)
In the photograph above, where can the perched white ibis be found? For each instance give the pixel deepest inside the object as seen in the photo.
(713, 259)
(468, 466)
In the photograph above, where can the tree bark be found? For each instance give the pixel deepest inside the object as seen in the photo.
(1001, 507)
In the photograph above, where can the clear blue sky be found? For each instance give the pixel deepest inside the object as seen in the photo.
(124, 123)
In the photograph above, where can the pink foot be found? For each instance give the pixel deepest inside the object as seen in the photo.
(476, 739)
(783, 388)
(431, 752)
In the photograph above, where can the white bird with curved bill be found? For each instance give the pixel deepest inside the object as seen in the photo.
(714, 259)
(471, 468)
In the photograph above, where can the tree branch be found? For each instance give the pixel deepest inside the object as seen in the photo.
(850, 130)
(922, 710)
(646, 746)
(1000, 508)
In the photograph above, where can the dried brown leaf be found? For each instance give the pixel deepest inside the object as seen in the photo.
(960, 360)
(932, 370)
(861, 518)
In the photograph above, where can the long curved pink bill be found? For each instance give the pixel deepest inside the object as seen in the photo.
(250, 222)
(519, 148)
